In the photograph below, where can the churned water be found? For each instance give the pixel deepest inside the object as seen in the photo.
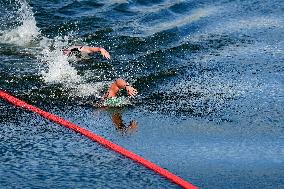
(210, 76)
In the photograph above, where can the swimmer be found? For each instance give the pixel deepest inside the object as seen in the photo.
(112, 99)
(111, 93)
(87, 50)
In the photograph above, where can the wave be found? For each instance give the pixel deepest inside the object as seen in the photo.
(180, 21)
(240, 25)
(26, 30)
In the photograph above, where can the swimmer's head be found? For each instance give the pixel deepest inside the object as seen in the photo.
(72, 52)
(75, 50)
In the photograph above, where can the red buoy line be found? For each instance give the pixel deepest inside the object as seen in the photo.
(170, 176)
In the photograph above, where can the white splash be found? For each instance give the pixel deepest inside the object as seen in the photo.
(89, 89)
(58, 70)
(26, 31)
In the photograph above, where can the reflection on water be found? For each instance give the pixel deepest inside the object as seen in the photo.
(119, 123)
(116, 114)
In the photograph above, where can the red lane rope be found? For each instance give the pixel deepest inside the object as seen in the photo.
(179, 181)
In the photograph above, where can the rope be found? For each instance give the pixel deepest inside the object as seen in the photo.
(170, 176)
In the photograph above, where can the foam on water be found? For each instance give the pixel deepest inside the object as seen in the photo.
(89, 89)
(58, 70)
(24, 33)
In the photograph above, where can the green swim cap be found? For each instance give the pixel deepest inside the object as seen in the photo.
(114, 102)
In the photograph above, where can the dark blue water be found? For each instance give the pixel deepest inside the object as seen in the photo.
(210, 77)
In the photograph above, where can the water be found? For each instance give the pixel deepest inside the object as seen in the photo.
(210, 81)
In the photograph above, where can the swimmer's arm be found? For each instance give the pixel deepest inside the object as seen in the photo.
(120, 84)
(96, 49)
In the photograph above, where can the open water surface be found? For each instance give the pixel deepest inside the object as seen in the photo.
(210, 76)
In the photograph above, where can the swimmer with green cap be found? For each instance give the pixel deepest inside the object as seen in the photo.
(110, 98)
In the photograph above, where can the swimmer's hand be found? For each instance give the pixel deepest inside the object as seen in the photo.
(132, 126)
(131, 91)
(105, 53)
